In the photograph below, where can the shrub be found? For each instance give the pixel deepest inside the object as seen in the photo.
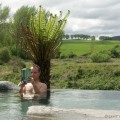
(115, 51)
(5, 55)
(71, 55)
(101, 56)
(57, 55)
(62, 56)
(80, 73)
(17, 52)
(116, 73)
(14, 50)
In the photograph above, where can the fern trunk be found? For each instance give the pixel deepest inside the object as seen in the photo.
(45, 71)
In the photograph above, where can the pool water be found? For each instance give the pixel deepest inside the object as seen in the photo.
(88, 99)
(12, 107)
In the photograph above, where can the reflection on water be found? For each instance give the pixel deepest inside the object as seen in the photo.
(12, 107)
(26, 103)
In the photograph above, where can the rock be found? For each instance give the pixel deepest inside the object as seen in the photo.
(7, 85)
(51, 113)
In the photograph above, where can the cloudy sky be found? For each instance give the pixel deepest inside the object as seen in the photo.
(91, 17)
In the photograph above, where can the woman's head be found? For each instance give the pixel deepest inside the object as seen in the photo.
(35, 71)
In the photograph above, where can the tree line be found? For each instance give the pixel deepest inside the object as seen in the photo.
(85, 37)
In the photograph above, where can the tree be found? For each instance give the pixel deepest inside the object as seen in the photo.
(23, 14)
(66, 36)
(4, 25)
(42, 38)
(105, 38)
(4, 13)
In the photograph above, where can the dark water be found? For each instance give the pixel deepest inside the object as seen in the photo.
(13, 108)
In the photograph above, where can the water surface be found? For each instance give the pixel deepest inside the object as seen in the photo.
(13, 108)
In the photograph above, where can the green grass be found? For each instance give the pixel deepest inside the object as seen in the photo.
(79, 72)
(72, 73)
(81, 47)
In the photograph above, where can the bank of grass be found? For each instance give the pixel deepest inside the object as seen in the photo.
(88, 75)
(77, 73)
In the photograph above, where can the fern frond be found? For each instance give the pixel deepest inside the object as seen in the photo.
(43, 36)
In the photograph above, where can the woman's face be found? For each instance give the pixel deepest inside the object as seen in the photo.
(35, 73)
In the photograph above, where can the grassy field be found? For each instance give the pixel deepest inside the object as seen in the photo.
(78, 72)
(81, 47)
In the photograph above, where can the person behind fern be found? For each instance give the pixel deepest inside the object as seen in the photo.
(35, 88)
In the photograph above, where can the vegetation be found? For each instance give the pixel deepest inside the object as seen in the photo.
(41, 38)
(83, 74)
(4, 55)
(76, 73)
(79, 64)
(100, 56)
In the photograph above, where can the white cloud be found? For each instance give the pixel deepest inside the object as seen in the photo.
(98, 17)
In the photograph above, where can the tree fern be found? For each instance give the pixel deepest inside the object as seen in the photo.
(42, 39)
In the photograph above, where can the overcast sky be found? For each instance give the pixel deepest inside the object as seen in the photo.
(91, 17)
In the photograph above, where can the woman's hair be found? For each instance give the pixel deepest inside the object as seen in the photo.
(36, 66)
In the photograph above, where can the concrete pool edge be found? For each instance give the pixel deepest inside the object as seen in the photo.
(84, 114)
